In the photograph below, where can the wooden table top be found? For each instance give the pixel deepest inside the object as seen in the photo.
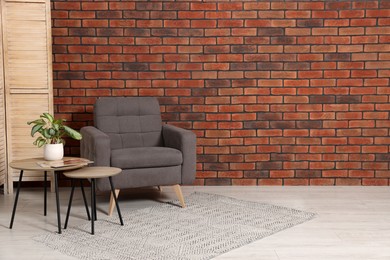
(93, 172)
(31, 165)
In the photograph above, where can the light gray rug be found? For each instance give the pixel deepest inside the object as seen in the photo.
(210, 225)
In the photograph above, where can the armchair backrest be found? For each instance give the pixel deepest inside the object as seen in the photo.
(129, 121)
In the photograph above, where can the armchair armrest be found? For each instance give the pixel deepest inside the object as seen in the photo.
(95, 146)
(185, 141)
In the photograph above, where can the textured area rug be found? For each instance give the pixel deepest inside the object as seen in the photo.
(210, 225)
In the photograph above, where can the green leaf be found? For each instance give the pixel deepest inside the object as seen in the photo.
(37, 122)
(48, 117)
(35, 129)
(58, 121)
(72, 133)
(57, 124)
(41, 142)
(52, 131)
(46, 134)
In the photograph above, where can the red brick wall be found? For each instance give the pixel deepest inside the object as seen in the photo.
(278, 93)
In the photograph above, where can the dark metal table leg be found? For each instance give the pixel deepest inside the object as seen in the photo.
(69, 205)
(94, 200)
(93, 217)
(16, 200)
(45, 198)
(85, 199)
(116, 200)
(57, 202)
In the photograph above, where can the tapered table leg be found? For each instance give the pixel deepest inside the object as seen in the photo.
(116, 200)
(45, 198)
(57, 202)
(16, 200)
(85, 199)
(69, 205)
(93, 205)
(94, 201)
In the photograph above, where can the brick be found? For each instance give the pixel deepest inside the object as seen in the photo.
(352, 13)
(383, 21)
(378, 13)
(335, 173)
(271, 14)
(270, 31)
(298, 14)
(109, 14)
(322, 99)
(310, 57)
(336, 91)
(375, 30)
(283, 5)
(336, 22)
(244, 14)
(297, 31)
(136, 14)
(309, 124)
(311, 6)
(243, 49)
(295, 165)
(351, 31)
(244, 32)
(203, 24)
(338, 5)
(358, 5)
(230, 23)
(310, 23)
(270, 49)
(269, 165)
(136, 32)
(94, 6)
(283, 23)
(281, 173)
(348, 182)
(256, 6)
(337, 57)
(325, 14)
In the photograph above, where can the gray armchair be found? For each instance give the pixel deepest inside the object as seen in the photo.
(129, 134)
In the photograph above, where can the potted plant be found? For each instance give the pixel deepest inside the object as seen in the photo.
(51, 132)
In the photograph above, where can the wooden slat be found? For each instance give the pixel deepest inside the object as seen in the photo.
(27, 1)
(27, 90)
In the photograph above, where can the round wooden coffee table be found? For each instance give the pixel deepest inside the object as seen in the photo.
(32, 165)
(93, 173)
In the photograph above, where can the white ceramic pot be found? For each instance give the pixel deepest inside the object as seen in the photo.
(52, 152)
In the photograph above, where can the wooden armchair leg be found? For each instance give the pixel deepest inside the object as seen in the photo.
(112, 202)
(179, 195)
(159, 188)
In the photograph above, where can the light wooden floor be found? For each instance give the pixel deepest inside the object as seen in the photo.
(352, 222)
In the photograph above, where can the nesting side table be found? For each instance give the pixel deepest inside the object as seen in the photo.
(93, 173)
(32, 165)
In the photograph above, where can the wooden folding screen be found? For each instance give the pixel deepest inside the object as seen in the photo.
(27, 69)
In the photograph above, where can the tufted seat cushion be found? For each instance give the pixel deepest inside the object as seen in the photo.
(145, 157)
